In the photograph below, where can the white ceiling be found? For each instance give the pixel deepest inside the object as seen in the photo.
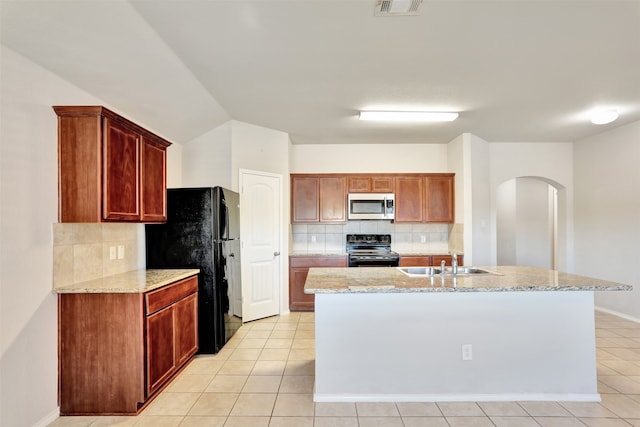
(517, 70)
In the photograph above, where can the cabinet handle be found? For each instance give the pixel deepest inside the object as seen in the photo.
(276, 253)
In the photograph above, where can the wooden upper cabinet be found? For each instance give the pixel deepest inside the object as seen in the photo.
(333, 199)
(318, 198)
(371, 184)
(304, 199)
(409, 198)
(121, 172)
(439, 198)
(419, 197)
(109, 168)
(153, 188)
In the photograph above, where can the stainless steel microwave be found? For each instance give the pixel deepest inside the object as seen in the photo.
(371, 206)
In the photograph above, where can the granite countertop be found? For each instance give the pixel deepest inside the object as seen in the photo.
(420, 252)
(319, 254)
(426, 252)
(502, 278)
(136, 281)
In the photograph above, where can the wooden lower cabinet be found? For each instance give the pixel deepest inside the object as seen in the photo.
(415, 261)
(298, 271)
(165, 356)
(117, 350)
(437, 259)
(428, 260)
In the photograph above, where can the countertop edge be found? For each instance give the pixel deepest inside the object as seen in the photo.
(344, 280)
(394, 290)
(135, 281)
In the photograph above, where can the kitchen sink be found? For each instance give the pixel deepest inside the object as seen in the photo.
(434, 271)
(420, 271)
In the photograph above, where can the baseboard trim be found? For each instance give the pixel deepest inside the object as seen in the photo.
(617, 313)
(511, 397)
(48, 419)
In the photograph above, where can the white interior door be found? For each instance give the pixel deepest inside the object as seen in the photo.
(260, 222)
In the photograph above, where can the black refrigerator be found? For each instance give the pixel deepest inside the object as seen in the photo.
(203, 231)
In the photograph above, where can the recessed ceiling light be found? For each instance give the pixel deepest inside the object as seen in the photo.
(408, 116)
(602, 117)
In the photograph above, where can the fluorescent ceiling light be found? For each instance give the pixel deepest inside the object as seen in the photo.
(602, 117)
(398, 7)
(408, 116)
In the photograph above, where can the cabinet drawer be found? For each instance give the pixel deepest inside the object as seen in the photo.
(163, 297)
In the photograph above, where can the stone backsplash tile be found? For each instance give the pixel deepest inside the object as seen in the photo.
(87, 262)
(81, 251)
(331, 238)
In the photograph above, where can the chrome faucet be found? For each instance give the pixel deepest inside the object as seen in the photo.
(454, 263)
(442, 264)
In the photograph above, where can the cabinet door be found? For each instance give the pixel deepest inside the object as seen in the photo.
(382, 184)
(415, 261)
(121, 173)
(161, 361)
(186, 328)
(371, 184)
(153, 182)
(359, 184)
(304, 199)
(298, 300)
(439, 199)
(333, 199)
(409, 199)
(298, 271)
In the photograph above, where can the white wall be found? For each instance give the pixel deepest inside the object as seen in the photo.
(362, 158)
(477, 223)
(28, 208)
(524, 219)
(607, 213)
(206, 160)
(551, 161)
(506, 223)
(457, 150)
(174, 166)
(260, 149)
(533, 234)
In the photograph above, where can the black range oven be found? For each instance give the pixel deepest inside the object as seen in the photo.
(371, 250)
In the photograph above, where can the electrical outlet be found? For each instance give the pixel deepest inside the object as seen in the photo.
(112, 253)
(120, 251)
(423, 238)
(313, 238)
(467, 352)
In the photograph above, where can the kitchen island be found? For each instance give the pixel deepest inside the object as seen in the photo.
(514, 333)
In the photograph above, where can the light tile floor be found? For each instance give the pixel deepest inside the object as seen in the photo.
(263, 377)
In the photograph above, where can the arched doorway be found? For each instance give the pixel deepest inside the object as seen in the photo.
(527, 222)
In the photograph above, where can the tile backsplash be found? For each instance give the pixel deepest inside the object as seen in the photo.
(330, 238)
(83, 251)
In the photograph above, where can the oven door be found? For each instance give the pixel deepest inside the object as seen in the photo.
(373, 261)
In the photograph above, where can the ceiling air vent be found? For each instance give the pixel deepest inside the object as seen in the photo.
(398, 7)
